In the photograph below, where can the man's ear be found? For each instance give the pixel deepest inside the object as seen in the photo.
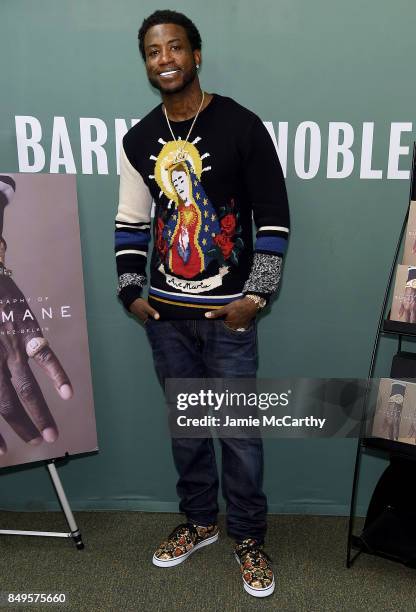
(197, 56)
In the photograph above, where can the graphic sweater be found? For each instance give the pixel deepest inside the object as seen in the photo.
(205, 200)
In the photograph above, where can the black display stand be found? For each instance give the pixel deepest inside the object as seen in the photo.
(390, 526)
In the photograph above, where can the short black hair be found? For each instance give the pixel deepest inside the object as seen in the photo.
(167, 16)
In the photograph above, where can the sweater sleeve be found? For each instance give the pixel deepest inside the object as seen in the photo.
(266, 189)
(132, 231)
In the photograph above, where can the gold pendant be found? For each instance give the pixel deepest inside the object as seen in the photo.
(180, 156)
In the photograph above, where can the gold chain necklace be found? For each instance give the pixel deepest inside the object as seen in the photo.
(180, 155)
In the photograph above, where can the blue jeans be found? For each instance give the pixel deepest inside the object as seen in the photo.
(208, 349)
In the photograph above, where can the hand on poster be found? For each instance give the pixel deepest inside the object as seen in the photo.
(408, 305)
(22, 404)
(391, 421)
(387, 427)
(7, 189)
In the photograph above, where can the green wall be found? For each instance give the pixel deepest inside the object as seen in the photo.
(290, 61)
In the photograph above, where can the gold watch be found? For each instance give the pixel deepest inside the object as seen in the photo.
(259, 301)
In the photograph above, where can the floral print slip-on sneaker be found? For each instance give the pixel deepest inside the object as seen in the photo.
(255, 565)
(182, 542)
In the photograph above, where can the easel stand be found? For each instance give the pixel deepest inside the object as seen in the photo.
(389, 534)
(74, 533)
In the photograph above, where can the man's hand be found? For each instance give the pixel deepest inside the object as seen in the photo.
(142, 309)
(238, 314)
(22, 404)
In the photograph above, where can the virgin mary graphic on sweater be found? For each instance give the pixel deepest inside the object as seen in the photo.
(189, 232)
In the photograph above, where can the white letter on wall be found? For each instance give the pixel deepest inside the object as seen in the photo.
(90, 146)
(314, 153)
(24, 143)
(121, 129)
(60, 139)
(281, 143)
(335, 149)
(367, 153)
(396, 150)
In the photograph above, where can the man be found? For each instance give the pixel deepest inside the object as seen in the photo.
(208, 164)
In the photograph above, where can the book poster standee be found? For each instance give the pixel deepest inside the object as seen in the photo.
(46, 400)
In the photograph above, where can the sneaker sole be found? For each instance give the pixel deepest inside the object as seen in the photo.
(182, 558)
(257, 592)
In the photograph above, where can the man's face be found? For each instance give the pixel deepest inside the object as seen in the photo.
(170, 61)
(181, 184)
